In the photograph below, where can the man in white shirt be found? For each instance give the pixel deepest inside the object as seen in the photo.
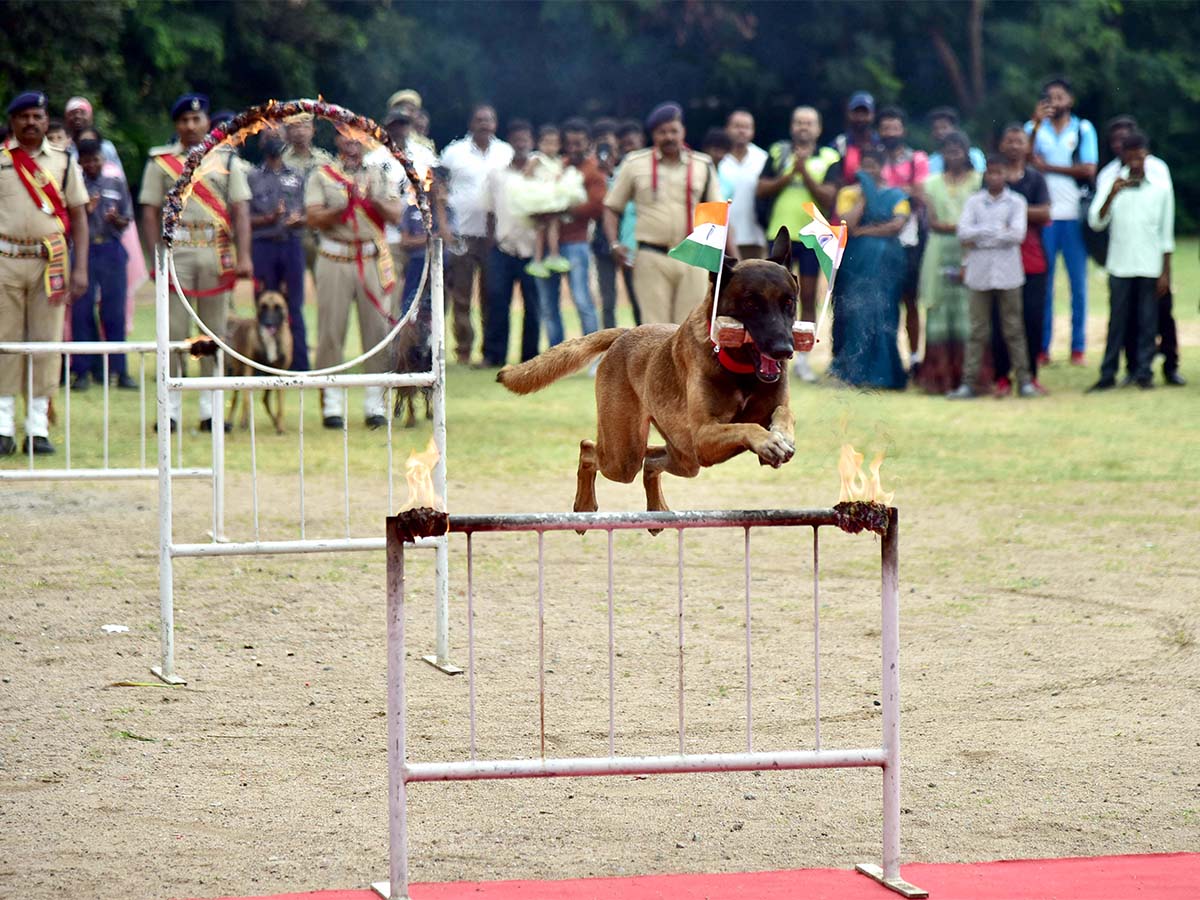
(513, 239)
(740, 169)
(1139, 214)
(1119, 128)
(468, 162)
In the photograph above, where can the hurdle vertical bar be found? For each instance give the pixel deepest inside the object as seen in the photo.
(440, 658)
(217, 422)
(166, 573)
(397, 886)
(889, 875)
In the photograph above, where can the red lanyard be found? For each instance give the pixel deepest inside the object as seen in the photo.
(687, 177)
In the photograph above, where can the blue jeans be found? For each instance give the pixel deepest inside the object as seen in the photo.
(282, 262)
(106, 283)
(579, 256)
(1066, 235)
(502, 271)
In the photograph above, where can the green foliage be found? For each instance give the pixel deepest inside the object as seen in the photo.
(546, 60)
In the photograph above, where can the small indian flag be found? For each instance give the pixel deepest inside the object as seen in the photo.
(827, 241)
(705, 246)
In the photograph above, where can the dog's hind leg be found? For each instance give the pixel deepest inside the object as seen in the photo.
(585, 488)
(408, 399)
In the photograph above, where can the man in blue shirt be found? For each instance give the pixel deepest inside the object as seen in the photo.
(277, 246)
(1066, 152)
(110, 209)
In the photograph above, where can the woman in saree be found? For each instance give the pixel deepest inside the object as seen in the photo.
(942, 292)
(867, 290)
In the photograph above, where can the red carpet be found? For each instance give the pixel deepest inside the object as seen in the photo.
(1170, 876)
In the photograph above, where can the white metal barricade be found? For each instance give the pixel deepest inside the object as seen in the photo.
(333, 378)
(401, 772)
(68, 471)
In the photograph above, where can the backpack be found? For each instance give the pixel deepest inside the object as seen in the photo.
(1095, 242)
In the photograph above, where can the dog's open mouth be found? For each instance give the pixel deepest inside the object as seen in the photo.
(768, 369)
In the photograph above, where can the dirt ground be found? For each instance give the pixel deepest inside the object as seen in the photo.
(1048, 703)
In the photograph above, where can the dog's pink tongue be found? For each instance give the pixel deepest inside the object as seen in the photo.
(768, 367)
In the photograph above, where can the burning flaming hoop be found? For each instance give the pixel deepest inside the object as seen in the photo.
(233, 134)
(255, 119)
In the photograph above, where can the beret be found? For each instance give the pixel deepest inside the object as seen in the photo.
(189, 103)
(27, 100)
(663, 113)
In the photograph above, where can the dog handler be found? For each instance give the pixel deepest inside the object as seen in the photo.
(665, 182)
(212, 242)
(43, 204)
(350, 204)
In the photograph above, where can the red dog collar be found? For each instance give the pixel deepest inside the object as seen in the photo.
(738, 368)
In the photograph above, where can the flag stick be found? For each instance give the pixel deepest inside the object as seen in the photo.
(712, 325)
(829, 292)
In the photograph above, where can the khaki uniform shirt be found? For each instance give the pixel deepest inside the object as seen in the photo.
(662, 214)
(223, 172)
(20, 219)
(322, 190)
(305, 164)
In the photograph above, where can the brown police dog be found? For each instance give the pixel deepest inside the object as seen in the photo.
(266, 339)
(668, 376)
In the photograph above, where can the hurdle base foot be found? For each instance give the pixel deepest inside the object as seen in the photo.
(897, 884)
(443, 667)
(384, 890)
(168, 679)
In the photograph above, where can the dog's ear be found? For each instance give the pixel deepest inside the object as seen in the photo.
(781, 250)
(727, 266)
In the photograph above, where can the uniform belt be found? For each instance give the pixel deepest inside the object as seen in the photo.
(657, 248)
(23, 249)
(347, 250)
(195, 235)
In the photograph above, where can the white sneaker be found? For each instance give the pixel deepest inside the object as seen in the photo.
(803, 370)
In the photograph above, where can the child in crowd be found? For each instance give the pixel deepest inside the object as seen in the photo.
(991, 230)
(549, 190)
(56, 135)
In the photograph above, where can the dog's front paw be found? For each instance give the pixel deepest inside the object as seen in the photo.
(775, 449)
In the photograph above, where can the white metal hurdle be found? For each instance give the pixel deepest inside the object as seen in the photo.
(67, 471)
(332, 378)
(401, 772)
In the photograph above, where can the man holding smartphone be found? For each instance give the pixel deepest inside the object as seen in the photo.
(1139, 214)
(1065, 151)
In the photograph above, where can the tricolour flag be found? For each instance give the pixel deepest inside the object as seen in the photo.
(705, 246)
(827, 241)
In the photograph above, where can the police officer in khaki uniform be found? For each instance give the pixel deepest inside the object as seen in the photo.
(665, 182)
(301, 156)
(43, 202)
(350, 203)
(212, 242)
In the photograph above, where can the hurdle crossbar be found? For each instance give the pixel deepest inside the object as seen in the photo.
(886, 757)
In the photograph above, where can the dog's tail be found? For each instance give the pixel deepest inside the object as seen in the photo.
(567, 357)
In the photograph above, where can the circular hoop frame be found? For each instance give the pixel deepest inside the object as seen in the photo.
(248, 122)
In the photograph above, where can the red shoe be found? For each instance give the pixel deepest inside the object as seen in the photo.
(1002, 387)
(1037, 386)
(1043, 358)
(1077, 358)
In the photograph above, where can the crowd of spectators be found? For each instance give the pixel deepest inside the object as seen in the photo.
(956, 246)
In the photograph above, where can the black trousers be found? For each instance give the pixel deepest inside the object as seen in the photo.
(606, 275)
(1168, 339)
(1033, 307)
(1130, 298)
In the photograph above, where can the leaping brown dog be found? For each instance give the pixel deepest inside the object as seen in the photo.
(266, 339)
(708, 407)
